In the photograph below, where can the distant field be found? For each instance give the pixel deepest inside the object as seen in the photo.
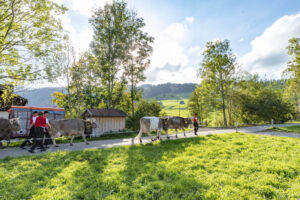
(171, 107)
(229, 166)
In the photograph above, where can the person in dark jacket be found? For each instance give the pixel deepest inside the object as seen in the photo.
(31, 130)
(47, 135)
(196, 126)
(39, 124)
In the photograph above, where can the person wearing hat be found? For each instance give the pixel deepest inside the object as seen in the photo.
(39, 124)
(31, 130)
(196, 126)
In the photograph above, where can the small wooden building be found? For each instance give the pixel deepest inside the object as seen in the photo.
(108, 120)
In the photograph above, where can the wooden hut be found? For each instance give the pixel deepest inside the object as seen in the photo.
(108, 120)
(13, 100)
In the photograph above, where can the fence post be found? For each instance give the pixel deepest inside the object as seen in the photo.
(205, 123)
(272, 122)
(236, 127)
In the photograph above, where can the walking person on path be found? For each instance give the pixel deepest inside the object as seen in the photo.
(40, 124)
(196, 126)
(47, 135)
(31, 130)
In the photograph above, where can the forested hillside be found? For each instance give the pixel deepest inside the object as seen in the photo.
(43, 96)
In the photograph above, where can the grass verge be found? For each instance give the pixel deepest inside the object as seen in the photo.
(290, 129)
(228, 166)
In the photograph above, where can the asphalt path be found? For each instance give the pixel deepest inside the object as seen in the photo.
(100, 144)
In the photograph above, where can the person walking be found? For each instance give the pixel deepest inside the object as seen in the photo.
(47, 135)
(31, 130)
(39, 124)
(196, 126)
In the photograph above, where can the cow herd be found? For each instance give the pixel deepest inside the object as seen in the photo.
(77, 127)
(149, 124)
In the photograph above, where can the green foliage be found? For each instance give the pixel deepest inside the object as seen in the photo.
(143, 108)
(119, 42)
(292, 72)
(230, 166)
(218, 70)
(29, 32)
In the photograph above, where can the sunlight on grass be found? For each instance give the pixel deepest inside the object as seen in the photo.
(229, 166)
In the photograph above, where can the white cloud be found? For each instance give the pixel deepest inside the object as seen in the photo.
(268, 54)
(190, 19)
(196, 51)
(86, 7)
(167, 47)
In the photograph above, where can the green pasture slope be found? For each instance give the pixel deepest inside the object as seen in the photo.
(171, 107)
(229, 166)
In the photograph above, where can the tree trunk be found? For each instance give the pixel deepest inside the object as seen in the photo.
(132, 97)
(297, 106)
(223, 104)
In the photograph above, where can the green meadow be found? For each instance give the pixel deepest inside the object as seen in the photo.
(228, 166)
(171, 108)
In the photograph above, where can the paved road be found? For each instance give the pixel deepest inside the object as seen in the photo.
(131, 141)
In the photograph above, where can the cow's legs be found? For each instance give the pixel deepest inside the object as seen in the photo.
(71, 143)
(183, 131)
(167, 134)
(84, 138)
(139, 136)
(176, 133)
(54, 143)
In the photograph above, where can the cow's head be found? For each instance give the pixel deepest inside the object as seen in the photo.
(187, 122)
(164, 122)
(91, 123)
(15, 124)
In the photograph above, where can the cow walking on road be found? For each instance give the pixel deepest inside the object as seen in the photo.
(69, 127)
(7, 126)
(177, 123)
(148, 124)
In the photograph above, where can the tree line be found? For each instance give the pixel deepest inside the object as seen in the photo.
(229, 95)
(34, 46)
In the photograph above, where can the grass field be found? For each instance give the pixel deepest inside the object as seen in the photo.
(292, 129)
(171, 107)
(229, 166)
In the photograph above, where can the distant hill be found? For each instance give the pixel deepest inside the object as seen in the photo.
(168, 91)
(41, 97)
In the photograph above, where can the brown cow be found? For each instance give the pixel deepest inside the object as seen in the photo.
(7, 126)
(177, 123)
(69, 127)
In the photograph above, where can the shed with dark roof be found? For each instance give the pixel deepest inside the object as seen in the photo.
(108, 120)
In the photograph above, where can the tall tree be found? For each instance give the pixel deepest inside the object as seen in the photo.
(137, 57)
(218, 67)
(113, 27)
(293, 73)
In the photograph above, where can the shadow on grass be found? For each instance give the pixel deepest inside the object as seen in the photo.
(44, 175)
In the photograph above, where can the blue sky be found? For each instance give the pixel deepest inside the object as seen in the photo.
(258, 32)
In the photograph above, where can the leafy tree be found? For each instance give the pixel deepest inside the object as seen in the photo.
(29, 31)
(218, 67)
(143, 108)
(116, 31)
(292, 72)
(137, 57)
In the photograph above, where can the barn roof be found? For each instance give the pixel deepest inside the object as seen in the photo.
(93, 112)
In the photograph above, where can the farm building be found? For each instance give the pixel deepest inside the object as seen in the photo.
(107, 120)
(24, 114)
(15, 100)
